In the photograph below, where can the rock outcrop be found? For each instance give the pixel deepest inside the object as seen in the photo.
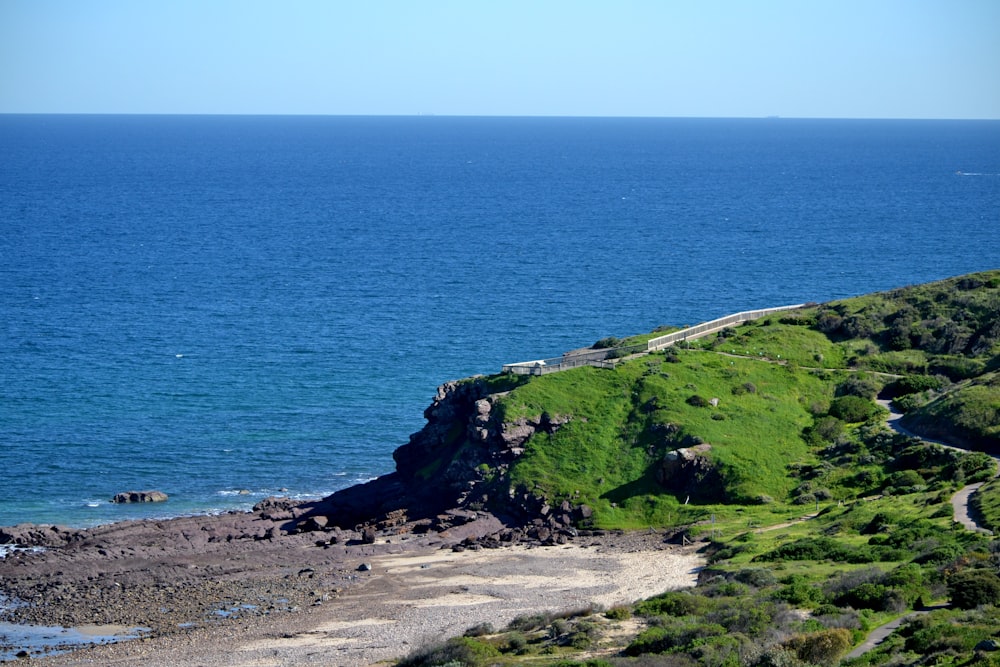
(37, 535)
(456, 463)
(140, 497)
(690, 471)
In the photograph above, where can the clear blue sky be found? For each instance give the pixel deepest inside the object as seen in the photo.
(794, 58)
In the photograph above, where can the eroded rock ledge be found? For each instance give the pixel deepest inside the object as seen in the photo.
(450, 470)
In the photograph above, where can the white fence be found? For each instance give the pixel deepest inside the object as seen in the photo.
(605, 358)
(705, 328)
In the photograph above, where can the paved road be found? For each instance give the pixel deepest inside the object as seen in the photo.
(960, 501)
(878, 635)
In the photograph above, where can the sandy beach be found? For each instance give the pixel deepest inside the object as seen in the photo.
(292, 601)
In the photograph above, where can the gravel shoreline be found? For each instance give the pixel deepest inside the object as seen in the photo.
(234, 589)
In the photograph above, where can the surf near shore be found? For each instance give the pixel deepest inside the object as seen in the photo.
(235, 589)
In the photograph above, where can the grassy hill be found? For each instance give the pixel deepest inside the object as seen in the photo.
(755, 427)
(784, 405)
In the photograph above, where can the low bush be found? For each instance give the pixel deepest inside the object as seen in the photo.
(479, 630)
(877, 597)
(455, 651)
(857, 385)
(970, 588)
(800, 592)
(662, 638)
(697, 401)
(957, 368)
(757, 577)
(821, 648)
(824, 430)
(674, 603)
(903, 482)
(852, 409)
(618, 613)
(816, 548)
(912, 384)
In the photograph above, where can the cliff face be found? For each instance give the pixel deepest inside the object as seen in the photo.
(454, 466)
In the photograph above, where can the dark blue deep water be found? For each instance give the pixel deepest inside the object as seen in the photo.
(206, 304)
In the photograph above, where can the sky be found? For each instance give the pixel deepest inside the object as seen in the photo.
(672, 58)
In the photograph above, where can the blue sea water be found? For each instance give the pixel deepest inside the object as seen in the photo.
(207, 304)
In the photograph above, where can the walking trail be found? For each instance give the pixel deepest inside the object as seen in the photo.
(960, 503)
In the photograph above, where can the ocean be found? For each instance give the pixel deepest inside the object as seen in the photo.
(225, 308)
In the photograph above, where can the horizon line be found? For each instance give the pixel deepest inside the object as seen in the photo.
(434, 115)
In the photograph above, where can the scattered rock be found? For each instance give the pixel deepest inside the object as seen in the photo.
(314, 523)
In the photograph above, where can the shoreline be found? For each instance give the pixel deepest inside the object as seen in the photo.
(234, 589)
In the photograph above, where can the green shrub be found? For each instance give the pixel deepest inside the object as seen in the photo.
(618, 613)
(673, 603)
(529, 622)
(651, 640)
(877, 597)
(455, 651)
(913, 384)
(939, 555)
(745, 615)
(976, 467)
(516, 642)
(479, 630)
(958, 368)
(697, 401)
(799, 591)
(857, 385)
(905, 481)
(929, 637)
(824, 430)
(970, 588)
(658, 639)
(812, 548)
(758, 577)
(821, 648)
(852, 409)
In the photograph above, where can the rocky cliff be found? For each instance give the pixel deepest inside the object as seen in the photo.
(457, 468)
(454, 468)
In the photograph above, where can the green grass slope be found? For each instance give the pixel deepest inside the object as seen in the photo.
(778, 401)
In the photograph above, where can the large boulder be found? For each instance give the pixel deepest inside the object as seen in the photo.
(140, 497)
(690, 471)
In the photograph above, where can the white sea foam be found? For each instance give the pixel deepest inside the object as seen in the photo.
(237, 492)
(7, 549)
